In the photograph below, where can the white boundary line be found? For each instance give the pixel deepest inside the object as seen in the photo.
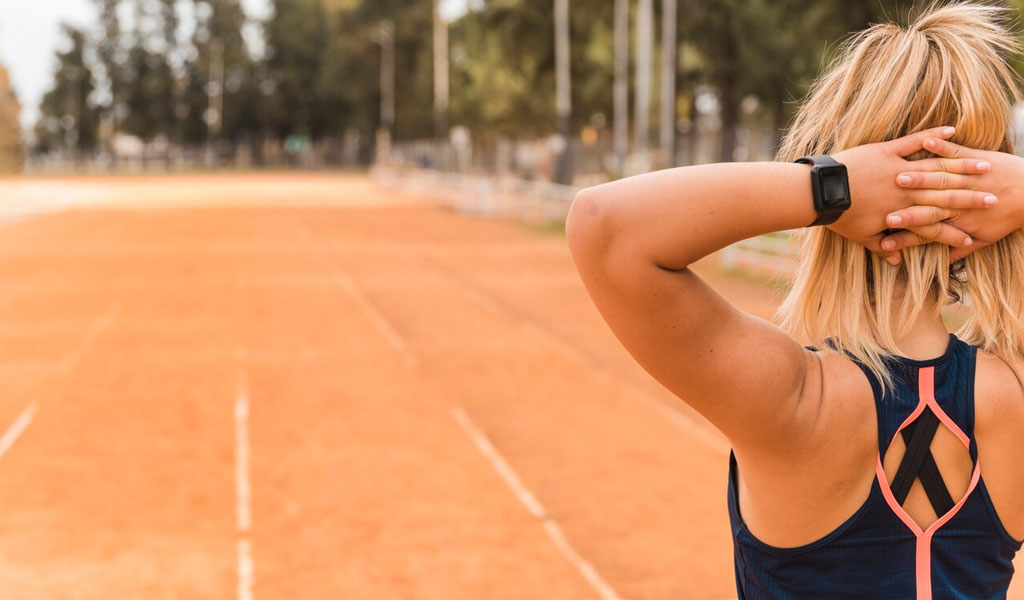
(486, 302)
(245, 569)
(64, 366)
(70, 361)
(19, 425)
(365, 305)
(533, 506)
(379, 321)
(243, 510)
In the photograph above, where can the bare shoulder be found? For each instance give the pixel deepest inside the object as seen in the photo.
(847, 425)
(999, 422)
(836, 412)
(847, 395)
(795, 498)
(999, 391)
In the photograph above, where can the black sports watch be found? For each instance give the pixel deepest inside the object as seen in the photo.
(830, 187)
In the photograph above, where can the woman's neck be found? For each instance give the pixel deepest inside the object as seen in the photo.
(928, 338)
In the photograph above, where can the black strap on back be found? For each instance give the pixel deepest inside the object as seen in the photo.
(918, 463)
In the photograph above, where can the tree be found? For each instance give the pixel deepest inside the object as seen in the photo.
(503, 80)
(219, 96)
(770, 50)
(148, 89)
(414, 66)
(321, 74)
(69, 120)
(12, 152)
(110, 52)
(297, 49)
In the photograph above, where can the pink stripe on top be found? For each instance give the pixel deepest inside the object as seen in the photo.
(926, 393)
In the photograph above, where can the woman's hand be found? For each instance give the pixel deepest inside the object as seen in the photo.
(949, 185)
(1003, 177)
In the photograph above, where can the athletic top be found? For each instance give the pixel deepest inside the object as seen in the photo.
(880, 551)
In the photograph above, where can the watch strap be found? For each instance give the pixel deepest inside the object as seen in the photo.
(825, 217)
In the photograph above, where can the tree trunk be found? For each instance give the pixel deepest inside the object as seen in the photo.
(621, 86)
(441, 85)
(728, 88)
(668, 84)
(644, 49)
(780, 121)
(563, 100)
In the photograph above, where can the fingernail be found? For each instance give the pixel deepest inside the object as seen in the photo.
(968, 241)
(888, 245)
(893, 260)
(930, 143)
(984, 165)
(903, 180)
(948, 130)
(991, 200)
(894, 219)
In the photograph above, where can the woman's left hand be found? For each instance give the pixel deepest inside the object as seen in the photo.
(920, 224)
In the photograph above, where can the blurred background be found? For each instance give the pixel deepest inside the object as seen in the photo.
(286, 309)
(497, 86)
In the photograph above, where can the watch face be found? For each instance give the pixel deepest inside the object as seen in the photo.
(835, 192)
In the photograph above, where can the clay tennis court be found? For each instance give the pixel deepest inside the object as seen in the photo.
(305, 386)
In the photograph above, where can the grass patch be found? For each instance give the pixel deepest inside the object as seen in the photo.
(554, 229)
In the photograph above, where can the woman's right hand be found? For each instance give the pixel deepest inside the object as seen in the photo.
(921, 224)
(949, 185)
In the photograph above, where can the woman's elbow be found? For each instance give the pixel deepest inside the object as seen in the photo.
(586, 227)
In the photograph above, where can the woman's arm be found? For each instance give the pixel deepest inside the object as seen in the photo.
(677, 216)
(633, 241)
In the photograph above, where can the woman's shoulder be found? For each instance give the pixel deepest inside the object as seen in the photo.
(999, 421)
(999, 389)
(847, 393)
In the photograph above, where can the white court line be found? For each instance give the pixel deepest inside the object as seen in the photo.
(349, 286)
(379, 321)
(243, 510)
(64, 366)
(242, 488)
(493, 307)
(70, 361)
(245, 569)
(19, 425)
(534, 506)
(692, 428)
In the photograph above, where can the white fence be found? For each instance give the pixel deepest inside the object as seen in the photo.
(542, 202)
(769, 255)
(488, 196)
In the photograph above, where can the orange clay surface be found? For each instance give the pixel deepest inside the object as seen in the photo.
(202, 371)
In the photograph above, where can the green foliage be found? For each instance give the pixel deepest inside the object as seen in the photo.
(12, 152)
(320, 73)
(148, 93)
(297, 44)
(324, 60)
(414, 67)
(220, 59)
(503, 80)
(70, 120)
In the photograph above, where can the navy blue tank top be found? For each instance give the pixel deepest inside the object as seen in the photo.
(880, 552)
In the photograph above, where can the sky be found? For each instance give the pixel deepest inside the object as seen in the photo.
(30, 35)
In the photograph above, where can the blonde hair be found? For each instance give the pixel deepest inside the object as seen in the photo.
(947, 68)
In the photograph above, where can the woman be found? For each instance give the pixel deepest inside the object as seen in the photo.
(856, 461)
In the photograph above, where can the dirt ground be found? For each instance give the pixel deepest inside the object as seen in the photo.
(304, 386)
